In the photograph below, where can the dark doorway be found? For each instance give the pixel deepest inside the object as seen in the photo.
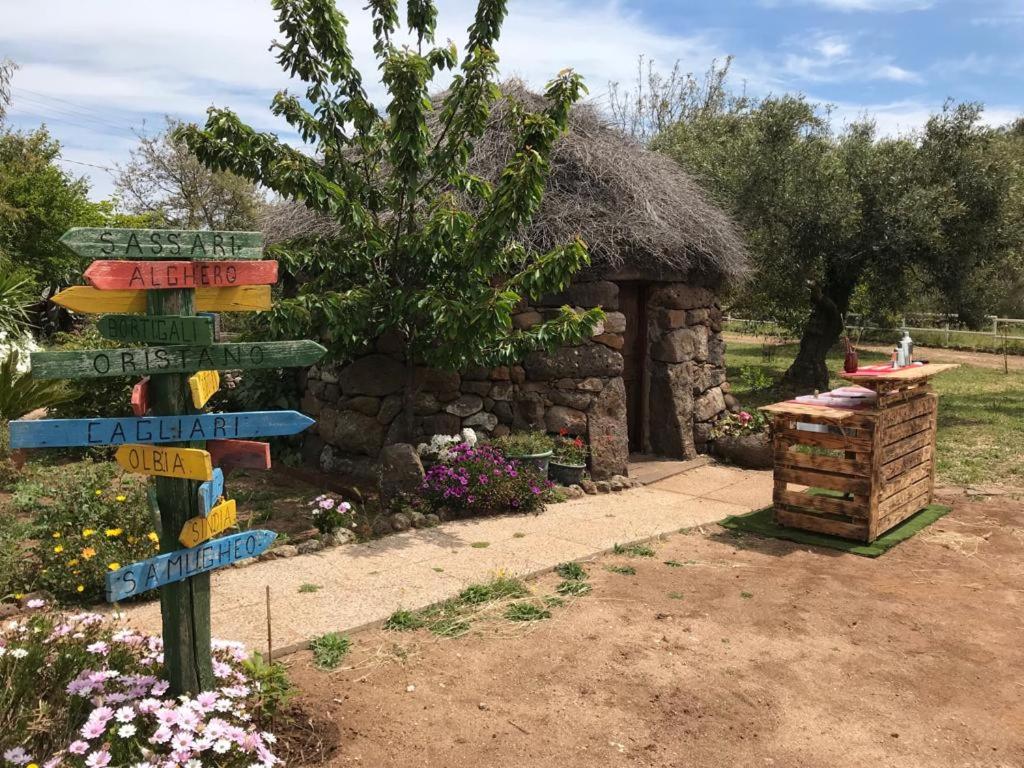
(633, 304)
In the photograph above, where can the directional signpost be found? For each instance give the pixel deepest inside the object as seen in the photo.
(149, 284)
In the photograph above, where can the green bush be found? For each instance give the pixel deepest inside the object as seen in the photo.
(88, 518)
(108, 397)
(524, 443)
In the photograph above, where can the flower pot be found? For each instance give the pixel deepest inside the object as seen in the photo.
(566, 474)
(752, 451)
(537, 460)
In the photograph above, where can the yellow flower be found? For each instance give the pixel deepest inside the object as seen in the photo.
(88, 552)
(113, 566)
(87, 532)
(72, 563)
(99, 492)
(121, 497)
(18, 595)
(153, 537)
(32, 765)
(56, 534)
(58, 549)
(80, 588)
(112, 532)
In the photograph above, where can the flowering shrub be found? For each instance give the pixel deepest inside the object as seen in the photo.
(524, 444)
(76, 691)
(737, 424)
(570, 451)
(440, 446)
(93, 519)
(329, 514)
(481, 481)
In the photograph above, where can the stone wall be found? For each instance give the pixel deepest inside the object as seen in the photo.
(577, 389)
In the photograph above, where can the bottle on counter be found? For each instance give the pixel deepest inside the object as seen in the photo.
(895, 357)
(908, 348)
(850, 361)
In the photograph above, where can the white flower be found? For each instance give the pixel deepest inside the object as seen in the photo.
(35, 603)
(19, 653)
(17, 755)
(126, 731)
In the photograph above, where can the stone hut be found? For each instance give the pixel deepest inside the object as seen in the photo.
(650, 381)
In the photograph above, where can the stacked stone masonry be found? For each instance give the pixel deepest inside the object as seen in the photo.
(576, 389)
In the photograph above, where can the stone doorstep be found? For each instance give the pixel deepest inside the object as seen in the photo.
(666, 468)
(287, 650)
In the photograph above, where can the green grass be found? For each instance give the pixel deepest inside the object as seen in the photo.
(526, 612)
(403, 621)
(480, 544)
(498, 588)
(981, 413)
(746, 595)
(625, 570)
(571, 571)
(673, 564)
(633, 550)
(329, 650)
(309, 588)
(573, 587)
(675, 595)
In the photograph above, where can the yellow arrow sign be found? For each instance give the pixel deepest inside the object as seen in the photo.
(203, 386)
(182, 463)
(198, 529)
(82, 298)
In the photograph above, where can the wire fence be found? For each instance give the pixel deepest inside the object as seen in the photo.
(1003, 334)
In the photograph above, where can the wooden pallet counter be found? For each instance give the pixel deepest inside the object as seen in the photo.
(857, 472)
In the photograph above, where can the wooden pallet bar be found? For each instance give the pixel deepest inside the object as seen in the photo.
(871, 467)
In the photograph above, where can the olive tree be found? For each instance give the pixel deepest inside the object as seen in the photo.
(423, 248)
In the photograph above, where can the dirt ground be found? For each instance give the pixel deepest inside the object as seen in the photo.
(934, 354)
(744, 652)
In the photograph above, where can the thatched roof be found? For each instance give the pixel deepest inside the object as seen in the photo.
(637, 210)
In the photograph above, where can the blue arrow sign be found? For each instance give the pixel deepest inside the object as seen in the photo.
(57, 433)
(178, 566)
(210, 491)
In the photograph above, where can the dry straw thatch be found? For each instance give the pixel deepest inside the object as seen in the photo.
(637, 210)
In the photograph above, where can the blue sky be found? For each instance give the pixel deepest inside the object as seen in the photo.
(99, 72)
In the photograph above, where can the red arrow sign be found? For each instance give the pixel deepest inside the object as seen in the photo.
(140, 397)
(239, 454)
(143, 275)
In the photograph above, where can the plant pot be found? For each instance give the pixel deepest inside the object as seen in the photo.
(566, 474)
(537, 460)
(753, 451)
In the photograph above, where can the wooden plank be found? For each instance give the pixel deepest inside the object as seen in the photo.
(158, 329)
(904, 480)
(904, 463)
(180, 565)
(183, 358)
(794, 459)
(824, 413)
(239, 454)
(852, 508)
(209, 493)
(88, 300)
(58, 433)
(907, 429)
(147, 275)
(199, 529)
(183, 463)
(112, 243)
(901, 513)
(908, 410)
(140, 397)
(906, 394)
(819, 524)
(823, 440)
(203, 385)
(905, 446)
(909, 373)
(833, 482)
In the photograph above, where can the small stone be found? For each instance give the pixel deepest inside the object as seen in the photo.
(364, 404)
(614, 322)
(483, 707)
(613, 340)
(562, 419)
(338, 538)
(410, 688)
(400, 522)
(381, 526)
(483, 419)
(401, 470)
(501, 373)
(285, 550)
(616, 485)
(591, 384)
(418, 520)
(589, 487)
(465, 406)
(390, 407)
(431, 520)
(574, 492)
(517, 374)
(501, 391)
(309, 547)
(481, 388)
(603, 486)
(526, 320)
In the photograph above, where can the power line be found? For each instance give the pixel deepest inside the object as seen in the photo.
(91, 165)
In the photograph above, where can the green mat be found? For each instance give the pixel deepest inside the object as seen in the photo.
(761, 523)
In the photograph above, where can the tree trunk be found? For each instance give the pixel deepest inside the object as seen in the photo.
(809, 370)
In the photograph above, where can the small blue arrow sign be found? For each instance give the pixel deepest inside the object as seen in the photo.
(185, 563)
(210, 491)
(57, 433)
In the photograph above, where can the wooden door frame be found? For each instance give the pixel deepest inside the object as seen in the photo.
(641, 355)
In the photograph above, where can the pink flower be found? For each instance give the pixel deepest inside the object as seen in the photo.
(78, 747)
(93, 729)
(99, 759)
(98, 647)
(35, 603)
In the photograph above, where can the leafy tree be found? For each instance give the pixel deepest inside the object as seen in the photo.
(164, 179)
(425, 249)
(7, 68)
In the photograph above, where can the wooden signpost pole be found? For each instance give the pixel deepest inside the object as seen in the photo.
(184, 605)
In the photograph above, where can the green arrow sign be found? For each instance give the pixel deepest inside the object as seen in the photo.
(101, 243)
(85, 364)
(157, 329)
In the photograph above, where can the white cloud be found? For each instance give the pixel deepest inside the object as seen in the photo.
(898, 118)
(96, 71)
(896, 74)
(851, 6)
